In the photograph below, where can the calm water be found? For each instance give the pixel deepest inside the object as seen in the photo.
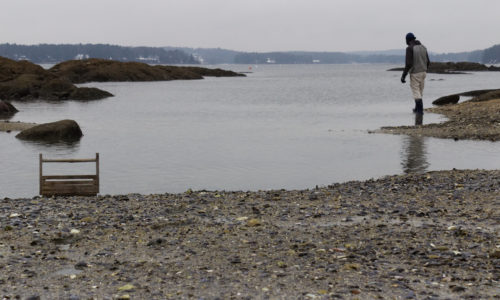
(290, 126)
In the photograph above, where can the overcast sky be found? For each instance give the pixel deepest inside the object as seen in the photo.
(255, 25)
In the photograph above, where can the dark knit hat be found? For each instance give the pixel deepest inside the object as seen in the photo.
(410, 37)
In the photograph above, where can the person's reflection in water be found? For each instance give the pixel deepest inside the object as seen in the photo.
(414, 153)
(419, 119)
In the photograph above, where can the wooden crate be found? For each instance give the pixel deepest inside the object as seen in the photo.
(69, 185)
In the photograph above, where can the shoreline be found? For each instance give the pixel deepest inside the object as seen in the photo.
(408, 236)
(467, 120)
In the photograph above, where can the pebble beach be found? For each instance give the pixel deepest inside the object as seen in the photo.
(427, 236)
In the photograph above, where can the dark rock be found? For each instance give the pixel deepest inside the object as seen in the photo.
(476, 93)
(235, 260)
(22, 87)
(489, 95)
(22, 80)
(81, 265)
(479, 95)
(86, 93)
(56, 89)
(65, 130)
(6, 108)
(11, 69)
(457, 289)
(495, 254)
(156, 242)
(451, 99)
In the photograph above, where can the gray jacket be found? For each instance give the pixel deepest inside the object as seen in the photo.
(417, 58)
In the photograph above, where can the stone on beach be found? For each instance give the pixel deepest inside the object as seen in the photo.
(451, 99)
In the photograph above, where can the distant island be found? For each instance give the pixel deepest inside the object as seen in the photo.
(55, 53)
(223, 56)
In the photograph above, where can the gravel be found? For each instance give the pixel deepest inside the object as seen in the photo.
(425, 236)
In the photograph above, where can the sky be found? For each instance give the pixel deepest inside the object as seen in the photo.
(444, 26)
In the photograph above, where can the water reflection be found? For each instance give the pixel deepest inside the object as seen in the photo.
(419, 119)
(62, 147)
(414, 153)
(6, 117)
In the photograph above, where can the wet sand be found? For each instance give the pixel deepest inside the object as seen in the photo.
(14, 126)
(428, 236)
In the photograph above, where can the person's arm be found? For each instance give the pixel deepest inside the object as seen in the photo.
(409, 61)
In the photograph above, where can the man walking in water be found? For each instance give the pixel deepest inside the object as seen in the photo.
(417, 62)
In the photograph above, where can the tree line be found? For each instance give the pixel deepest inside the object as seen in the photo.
(487, 56)
(54, 53)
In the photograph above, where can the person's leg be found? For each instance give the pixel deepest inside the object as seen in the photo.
(415, 90)
(417, 83)
(419, 107)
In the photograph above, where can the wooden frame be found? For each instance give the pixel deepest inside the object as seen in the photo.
(69, 185)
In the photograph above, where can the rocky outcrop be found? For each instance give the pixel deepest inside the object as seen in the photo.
(87, 93)
(101, 70)
(26, 81)
(455, 67)
(459, 67)
(65, 130)
(451, 99)
(487, 95)
(478, 96)
(6, 108)
(10, 69)
(62, 89)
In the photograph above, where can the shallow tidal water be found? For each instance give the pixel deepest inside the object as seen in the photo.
(282, 126)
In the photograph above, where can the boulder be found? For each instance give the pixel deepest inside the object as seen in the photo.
(65, 130)
(6, 108)
(451, 99)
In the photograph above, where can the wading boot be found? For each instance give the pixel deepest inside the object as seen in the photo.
(419, 107)
(415, 109)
